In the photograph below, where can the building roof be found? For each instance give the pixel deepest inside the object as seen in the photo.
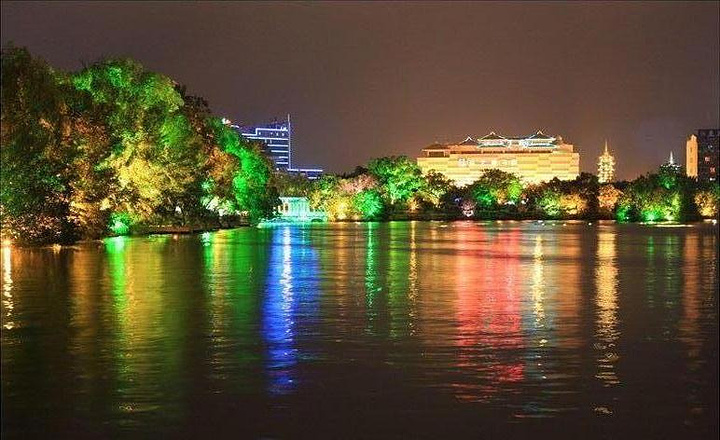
(469, 141)
(491, 136)
(538, 135)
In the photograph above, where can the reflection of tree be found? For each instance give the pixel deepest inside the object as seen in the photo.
(398, 280)
(149, 340)
(234, 267)
(375, 282)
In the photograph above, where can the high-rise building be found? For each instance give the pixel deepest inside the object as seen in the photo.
(534, 158)
(606, 166)
(701, 155)
(276, 138)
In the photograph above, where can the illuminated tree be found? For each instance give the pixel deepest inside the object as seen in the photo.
(352, 198)
(292, 185)
(608, 197)
(495, 188)
(323, 192)
(35, 190)
(356, 184)
(251, 182)
(436, 186)
(707, 200)
(657, 197)
(368, 203)
(564, 199)
(156, 155)
(399, 178)
(114, 145)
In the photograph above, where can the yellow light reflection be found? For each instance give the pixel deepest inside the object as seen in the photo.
(689, 326)
(413, 276)
(8, 303)
(538, 284)
(606, 280)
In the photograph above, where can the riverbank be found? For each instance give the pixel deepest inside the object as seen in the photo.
(144, 231)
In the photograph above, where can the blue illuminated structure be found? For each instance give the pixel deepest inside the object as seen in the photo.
(276, 137)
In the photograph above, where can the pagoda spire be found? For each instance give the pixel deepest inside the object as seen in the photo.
(606, 166)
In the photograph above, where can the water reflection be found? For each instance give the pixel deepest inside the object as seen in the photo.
(497, 321)
(7, 299)
(606, 280)
(488, 313)
(372, 278)
(278, 324)
(290, 304)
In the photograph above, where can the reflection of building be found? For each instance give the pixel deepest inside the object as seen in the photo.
(276, 137)
(606, 166)
(534, 158)
(701, 155)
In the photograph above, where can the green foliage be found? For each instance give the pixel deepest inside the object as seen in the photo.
(35, 191)
(657, 197)
(368, 203)
(251, 181)
(292, 185)
(435, 187)
(399, 177)
(79, 149)
(120, 223)
(707, 199)
(496, 187)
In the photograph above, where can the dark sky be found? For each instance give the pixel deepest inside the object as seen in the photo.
(363, 80)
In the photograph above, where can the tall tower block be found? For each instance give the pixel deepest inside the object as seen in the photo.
(691, 156)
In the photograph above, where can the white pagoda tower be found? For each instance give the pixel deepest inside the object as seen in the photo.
(606, 166)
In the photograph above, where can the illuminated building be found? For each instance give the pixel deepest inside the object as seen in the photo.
(701, 155)
(606, 166)
(297, 209)
(670, 164)
(534, 158)
(276, 138)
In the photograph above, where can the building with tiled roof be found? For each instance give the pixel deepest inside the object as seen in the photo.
(534, 158)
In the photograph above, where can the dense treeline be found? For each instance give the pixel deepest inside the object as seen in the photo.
(113, 147)
(394, 187)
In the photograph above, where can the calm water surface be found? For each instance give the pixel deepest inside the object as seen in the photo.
(412, 329)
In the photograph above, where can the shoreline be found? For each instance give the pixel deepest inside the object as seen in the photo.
(194, 229)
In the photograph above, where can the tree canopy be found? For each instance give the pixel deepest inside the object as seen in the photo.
(114, 143)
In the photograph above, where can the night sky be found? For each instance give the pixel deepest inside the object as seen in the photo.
(363, 80)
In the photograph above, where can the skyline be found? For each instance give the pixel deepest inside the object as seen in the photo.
(644, 83)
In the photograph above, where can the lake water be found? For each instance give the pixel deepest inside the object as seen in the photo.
(367, 330)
